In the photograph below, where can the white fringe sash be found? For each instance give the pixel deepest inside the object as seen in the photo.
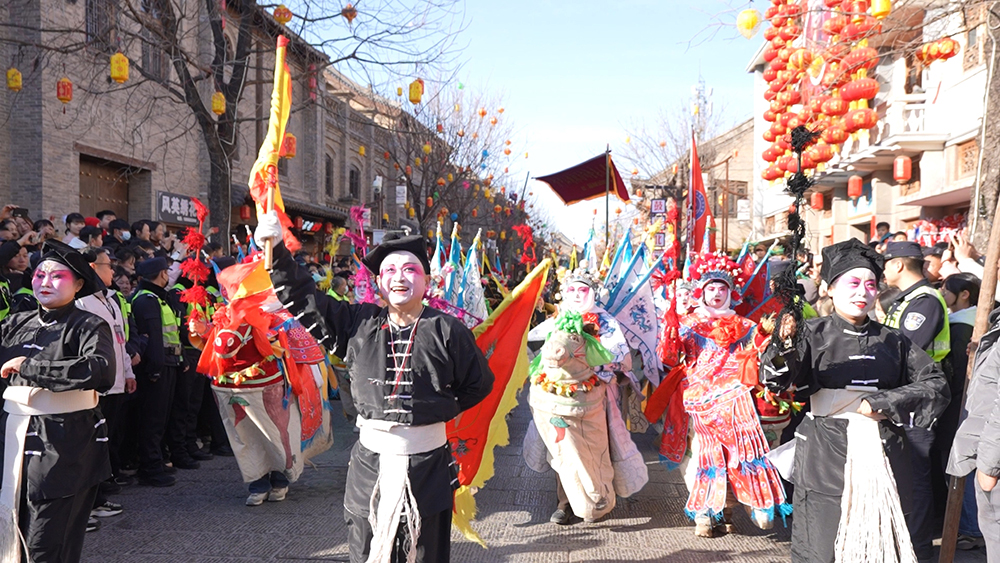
(21, 404)
(395, 444)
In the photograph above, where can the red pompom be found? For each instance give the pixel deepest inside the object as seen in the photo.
(200, 209)
(195, 270)
(194, 240)
(197, 295)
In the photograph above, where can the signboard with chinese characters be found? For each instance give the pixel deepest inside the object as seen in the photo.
(743, 209)
(175, 209)
(658, 206)
(401, 195)
(660, 240)
(366, 217)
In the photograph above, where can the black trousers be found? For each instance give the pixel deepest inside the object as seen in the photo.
(54, 529)
(182, 428)
(155, 399)
(210, 419)
(433, 545)
(920, 520)
(111, 408)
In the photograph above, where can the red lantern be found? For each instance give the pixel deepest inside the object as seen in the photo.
(288, 146)
(860, 89)
(282, 14)
(770, 154)
(64, 90)
(790, 32)
(440, 181)
(770, 116)
(863, 57)
(816, 201)
(245, 212)
(947, 48)
(475, 213)
(386, 155)
(497, 209)
(769, 74)
(298, 223)
(835, 107)
(902, 168)
(772, 173)
(770, 33)
(835, 25)
(835, 134)
(860, 119)
(801, 59)
(855, 186)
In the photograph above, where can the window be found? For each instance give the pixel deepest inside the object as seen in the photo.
(330, 184)
(972, 54)
(968, 158)
(155, 61)
(102, 19)
(354, 183)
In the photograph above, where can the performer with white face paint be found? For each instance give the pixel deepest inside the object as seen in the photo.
(866, 383)
(412, 369)
(728, 466)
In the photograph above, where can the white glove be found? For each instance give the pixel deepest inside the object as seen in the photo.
(268, 228)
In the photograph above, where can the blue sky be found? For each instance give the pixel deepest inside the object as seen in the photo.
(575, 73)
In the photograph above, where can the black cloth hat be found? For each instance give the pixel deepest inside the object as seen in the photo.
(151, 267)
(223, 262)
(413, 244)
(69, 257)
(847, 255)
(902, 249)
(775, 267)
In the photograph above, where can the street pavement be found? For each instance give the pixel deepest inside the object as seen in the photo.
(203, 519)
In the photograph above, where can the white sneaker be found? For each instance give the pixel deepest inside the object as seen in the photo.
(256, 499)
(277, 495)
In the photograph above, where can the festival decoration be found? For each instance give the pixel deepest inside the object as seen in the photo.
(416, 91)
(282, 14)
(119, 68)
(64, 91)
(218, 103)
(13, 79)
(855, 186)
(288, 146)
(349, 13)
(902, 169)
(747, 22)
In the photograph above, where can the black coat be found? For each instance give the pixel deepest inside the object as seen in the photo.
(67, 349)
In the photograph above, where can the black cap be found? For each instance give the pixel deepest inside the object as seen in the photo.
(847, 255)
(69, 257)
(413, 244)
(932, 251)
(775, 267)
(151, 267)
(902, 249)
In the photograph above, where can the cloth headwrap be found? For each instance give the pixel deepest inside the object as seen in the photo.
(394, 243)
(847, 255)
(69, 257)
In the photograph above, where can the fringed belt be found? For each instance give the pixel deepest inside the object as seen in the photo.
(395, 444)
(22, 403)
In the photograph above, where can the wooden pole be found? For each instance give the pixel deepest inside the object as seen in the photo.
(987, 292)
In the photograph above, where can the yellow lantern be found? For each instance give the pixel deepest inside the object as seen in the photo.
(458, 108)
(500, 110)
(350, 12)
(399, 90)
(416, 91)
(427, 148)
(417, 161)
(461, 132)
(13, 79)
(282, 14)
(218, 103)
(411, 212)
(288, 146)
(881, 8)
(747, 22)
(119, 67)
(503, 235)
(64, 90)
(385, 217)
(361, 150)
(451, 177)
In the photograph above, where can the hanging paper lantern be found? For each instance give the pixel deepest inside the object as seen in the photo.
(427, 148)
(411, 213)
(800, 59)
(454, 216)
(13, 79)
(902, 169)
(461, 132)
(816, 201)
(399, 90)
(416, 91)
(506, 152)
(860, 119)
(491, 234)
(486, 153)
(493, 121)
(835, 107)
(860, 89)
(747, 22)
(881, 8)
(245, 212)
(947, 48)
(482, 112)
(855, 186)
(475, 213)
(440, 182)
(635, 171)
(862, 57)
(288, 146)
(119, 68)
(361, 150)
(282, 14)
(408, 170)
(451, 177)
(430, 201)
(386, 155)
(218, 103)
(64, 90)
(437, 195)
(500, 110)
(417, 161)
(349, 12)
(440, 128)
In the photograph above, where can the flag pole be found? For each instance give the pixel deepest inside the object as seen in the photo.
(607, 195)
(269, 244)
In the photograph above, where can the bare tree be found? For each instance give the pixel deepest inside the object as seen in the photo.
(185, 49)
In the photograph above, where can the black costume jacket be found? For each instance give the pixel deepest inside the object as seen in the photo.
(67, 349)
(449, 375)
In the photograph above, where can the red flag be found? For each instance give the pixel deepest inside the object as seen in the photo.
(756, 288)
(699, 214)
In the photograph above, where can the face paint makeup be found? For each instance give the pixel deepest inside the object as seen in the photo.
(854, 294)
(579, 297)
(54, 285)
(402, 279)
(715, 295)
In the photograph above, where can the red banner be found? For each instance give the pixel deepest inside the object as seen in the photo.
(587, 180)
(699, 212)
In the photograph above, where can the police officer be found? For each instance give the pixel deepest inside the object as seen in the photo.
(182, 433)
(158, 319)
(920, 313)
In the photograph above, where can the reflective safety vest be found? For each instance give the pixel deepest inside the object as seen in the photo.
(336, 295)
(4, 298)
(126, 309)
(941, 345)
(209, 308)
(171, 326)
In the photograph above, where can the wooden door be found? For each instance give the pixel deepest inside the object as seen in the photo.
(103, 185)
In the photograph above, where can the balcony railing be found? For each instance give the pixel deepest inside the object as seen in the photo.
(905, 114)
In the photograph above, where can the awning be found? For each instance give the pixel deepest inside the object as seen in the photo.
(586, 181)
